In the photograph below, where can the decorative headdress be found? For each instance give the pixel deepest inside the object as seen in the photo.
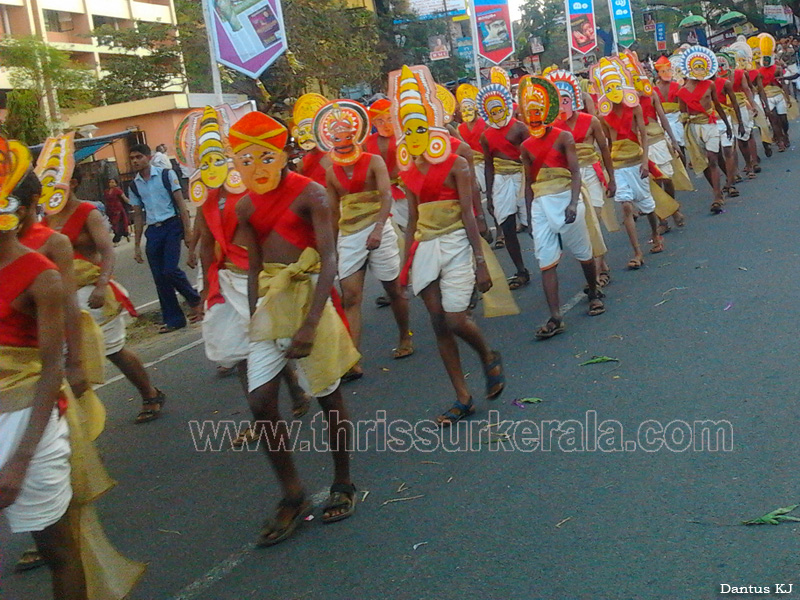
(726, 62)
(305, 109)
(499, 75)
(448, 102)
(380, 107)
(677, 68)
(755, 45)
(664, 68)
(743, 53)
(539, 96)
(417, 114)
(613, 84)
(698, 62)
(766, 44)
(337, 120)
(54, 169)
(567, 85)
(259, 129)
(200, 146)
(380, 114)
(637, 72)
(493, 98)
(15, 159)
(466, 95)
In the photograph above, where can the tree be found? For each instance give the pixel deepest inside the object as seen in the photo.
(194, 44)
(151, 62)
(24, 121)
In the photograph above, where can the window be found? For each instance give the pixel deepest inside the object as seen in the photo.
(99, 21)
(58, 21)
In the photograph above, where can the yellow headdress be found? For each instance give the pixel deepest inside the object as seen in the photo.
(499, 75)
(14, 162)
(418, 116)
(54, 168)
(613, 84)
(755, 43)
(637, 72)
(766, 44)
(466, 95)
(448, 102)
(305, 109)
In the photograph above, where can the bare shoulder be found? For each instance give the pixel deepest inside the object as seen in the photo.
(47, 288)
(312, 195)
(58, 244)
(460, 165)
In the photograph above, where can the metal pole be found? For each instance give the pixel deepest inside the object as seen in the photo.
(215, 78)
(615, 49)
(473, 21)
(569, 33)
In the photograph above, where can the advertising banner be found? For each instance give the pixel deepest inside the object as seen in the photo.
(493, 26)
(622, 17)
(661, 36)
(580, 24)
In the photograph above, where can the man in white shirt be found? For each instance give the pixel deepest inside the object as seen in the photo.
(160, 158)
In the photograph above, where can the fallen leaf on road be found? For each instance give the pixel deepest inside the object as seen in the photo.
(430, 462)
(673, 290)
(521, 402)
(364, 497)
(596, 360)
(617, 337)
(774, 517)
(170, 531)
(743, 268)
(403, 487)
(384, 369)
(420, 544)
(449, 480)
(728, 306)
(562, 521)
(402, 499)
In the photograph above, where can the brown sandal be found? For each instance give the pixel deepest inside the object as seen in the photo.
(151, 408)
(658, 246)
(551, 328)
(280, 530)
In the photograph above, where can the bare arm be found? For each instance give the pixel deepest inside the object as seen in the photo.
(599, 134)
(525, 158)
(662, 118)
(411, 228)
(638, 124)
(334, 198)
(138, 223)
(488, 172)
(47, 293)
(762, 93)
(244, 210)
(464, 186)
(720, 110)
(566, 145)
(98, 231)
(384, 185)
(748, 92)
(588, 103)
(477, 206)
(205, 241)
(732, 99)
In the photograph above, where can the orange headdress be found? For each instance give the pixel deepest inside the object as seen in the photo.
(259, 129)
(54, 169)
(14, 162)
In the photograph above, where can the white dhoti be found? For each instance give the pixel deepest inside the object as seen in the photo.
(675, 124)
(384, 261)
(449, 259)
(725, 140)
(597, 193)
(707, 135)
(659, 153)
(113, 330)
(480, 176)
(632, 188)
(747, 122)
(777, 103)
(226, 324)
(551, 233)
(400, 212)
(46, 490)
(506, 195)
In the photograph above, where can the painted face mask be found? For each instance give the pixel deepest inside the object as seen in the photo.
(54, 169)
(743, 53)
(257, 142)
(380, 115)
(539, 100)
(664, 69)
(466, 95)
(610, 76)
(340, 128)
(699, 63)
(570, 91)
(766, 44)
(305, 109)
(15, 159)
(418, 116)
(726, 64)
(636, 72)
(495, 105)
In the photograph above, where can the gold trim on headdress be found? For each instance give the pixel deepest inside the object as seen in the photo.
(54, 168)
(15, 159)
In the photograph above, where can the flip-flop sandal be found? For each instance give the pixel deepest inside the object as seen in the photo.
(757, 169)
(679, 221)
(169, 328)
(604, 278)
(658, 246)
(30, 559)
(733, 192)
(302, 509)
(382, 301)
(352, 375)
(716, 208)
(635, 263)
(499, 244)
(663, 228)
(752, 174)
(342, 496)
(494, 383)
(246, 437)
(596, 304)
(455, 413)
(403, 351)
(738, 179)
(151, 414)
(768, 150)
(545, 332)
(519, 280)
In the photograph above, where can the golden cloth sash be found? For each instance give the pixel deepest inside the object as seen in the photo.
(666, 205)
(741, 99)
(358, 211)
(477, 157)
(764, 126)
(697, 154)
(655, 133)
(286, 293)
(557, 180)
(792, 110)
(498, 301)
(670, 107)
(437, 218)
(503, 166)
(229, 266)
(587, 154)
(93, 350)
(109, 575)
(680, 178)
(87, 273)
(773, 91)
(625, 153)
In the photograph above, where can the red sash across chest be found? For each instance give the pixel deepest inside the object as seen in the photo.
(544, 153)
(499, 143)
(18, 329)
(672, 92)
(623, 124)
(390, 158)
(692, 99)
(648, 110)
(222, 224)
(312, 167)
(738, 75)
(719, 83)
(36, 236)
(583, 125)
(429, 187)
(358, 178)
(768, 76)
(473, 136)
(272, 213)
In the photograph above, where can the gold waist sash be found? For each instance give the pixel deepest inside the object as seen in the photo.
(625, 153)
(504, 166)
(655, 133)
(477, 157)
(437, 219)
(87, 273)
(773, 91)
(670, 107)
(358, 211)
(587, 154)
(741, 99)
(19, 371)
(700, 118)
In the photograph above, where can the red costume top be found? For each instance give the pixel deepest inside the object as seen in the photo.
(473, 136)
(36, 236)
(390, 158)
(222, 223)
(312, 167)
(692, 100)
(738, 75)
(648, 110)
(582, 126)
(18, 329)
(753, 75)
(430, 187)
(358, 180)
(544, 153)
(623, 124)
(672, 92)
(768, 76)
(496, 138)
(72, 229)
(272, 213)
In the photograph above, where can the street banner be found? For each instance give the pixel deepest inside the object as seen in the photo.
(649, 21)
(438, 47)
(248, 35)
(580, 22)
(434, 9)
(622, 19)
(661, 36)
(536, 45)
(493, 26)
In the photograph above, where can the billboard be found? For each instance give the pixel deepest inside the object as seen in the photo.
(649, 21)
(428, 9)
(248, 35)
(492, 22)
(622, 18)
(581, 26)
(438, 47)
(661, 36)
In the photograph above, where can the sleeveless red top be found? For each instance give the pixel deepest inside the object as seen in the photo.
(544, 153)
(36, 236)
(272, 213)
(582, 126)
(768, 76)
(622, 124)
(497, 141)
(358, 179)
(429, 187)
(17, 328)
(692, 99)
(312, 167)
(473, 136)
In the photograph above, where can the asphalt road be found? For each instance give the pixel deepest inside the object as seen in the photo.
(705, 330)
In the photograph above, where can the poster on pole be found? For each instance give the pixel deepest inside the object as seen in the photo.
(580, 22)
(249, 35)
(649, 21)
(622, 18)
(661, 36)
(438, 47)
(493, 26)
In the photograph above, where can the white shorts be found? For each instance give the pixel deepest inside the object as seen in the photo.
(675, 124)
(725, 141)
(506, 196)
(226, 326)
(46, 490)
(113, 331)
(707, 135)
(747, 121)
(777, 103)
(659, 153)
(551, 234)
(447, 258)
(400, 212)
(632, 188)
(480, 175)
(597, 193)
(384, 261)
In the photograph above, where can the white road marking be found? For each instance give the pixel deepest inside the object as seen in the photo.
(146, 305)
(167, 356)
